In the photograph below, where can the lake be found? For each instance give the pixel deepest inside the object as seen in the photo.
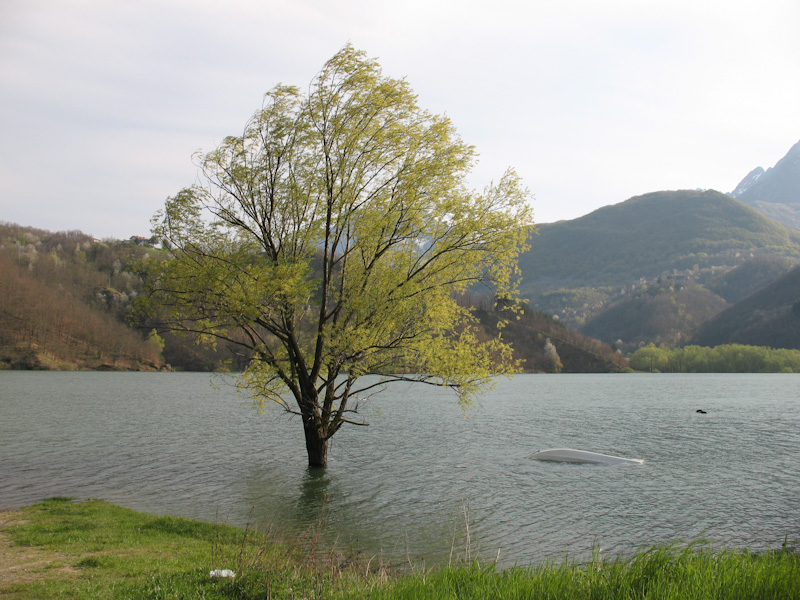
(425, 478)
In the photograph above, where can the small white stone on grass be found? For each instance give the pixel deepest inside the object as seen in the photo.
(222, 573)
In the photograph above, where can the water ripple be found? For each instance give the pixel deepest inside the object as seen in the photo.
(424, 473)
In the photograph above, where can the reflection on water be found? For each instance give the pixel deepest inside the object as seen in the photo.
(313, 494)
(411, 483)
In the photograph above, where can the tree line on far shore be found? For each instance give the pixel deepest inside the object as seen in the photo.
(727, 358)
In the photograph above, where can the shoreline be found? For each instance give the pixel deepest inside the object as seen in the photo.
(91, 548)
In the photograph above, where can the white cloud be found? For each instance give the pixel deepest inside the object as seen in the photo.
(103, 103)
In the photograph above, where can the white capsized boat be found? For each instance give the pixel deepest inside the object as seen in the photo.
(582, 456)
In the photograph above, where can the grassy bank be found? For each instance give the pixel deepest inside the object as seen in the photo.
(63, 549)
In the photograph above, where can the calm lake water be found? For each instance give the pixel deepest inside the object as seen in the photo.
(424, 474)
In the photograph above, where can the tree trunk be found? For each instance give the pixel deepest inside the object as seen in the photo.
(316, 445)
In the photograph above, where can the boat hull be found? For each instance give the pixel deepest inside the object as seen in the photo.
(583, 456)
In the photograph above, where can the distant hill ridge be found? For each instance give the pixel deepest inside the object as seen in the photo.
(769, 317)
(664, 266)
(648, 235)
(656, 267)
(67, 302)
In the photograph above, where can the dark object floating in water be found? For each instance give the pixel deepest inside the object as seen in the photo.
(582, 456)
(701, 411)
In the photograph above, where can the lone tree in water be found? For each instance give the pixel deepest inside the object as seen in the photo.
(328, 242)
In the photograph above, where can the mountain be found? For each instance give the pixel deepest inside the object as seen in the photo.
(776, 191)
(660, 314)
(673, 309)
(749, 277)
(68, 303)
(749, 181)
(543, 345)
(654, 268)
(65, 296)
(769, 317)
(576, 269)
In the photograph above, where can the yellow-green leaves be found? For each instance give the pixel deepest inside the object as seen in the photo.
(329, 239)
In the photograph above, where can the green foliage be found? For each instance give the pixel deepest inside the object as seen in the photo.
(156, 340)
(329, 239)
(728, 358)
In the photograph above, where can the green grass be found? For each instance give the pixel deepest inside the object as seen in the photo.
(659, 573)
(93, 549)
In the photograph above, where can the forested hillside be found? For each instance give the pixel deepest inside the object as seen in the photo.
(544, 345)
(769, 317)
(642, 260)
(676, 260)
(68, 302)
(662, 313)
(648, 235)
(65, 296)
(673, 309)
(749, 277)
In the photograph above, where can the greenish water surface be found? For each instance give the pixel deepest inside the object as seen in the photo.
(425, 477)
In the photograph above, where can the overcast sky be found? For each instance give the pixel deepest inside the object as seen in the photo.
(103, 102)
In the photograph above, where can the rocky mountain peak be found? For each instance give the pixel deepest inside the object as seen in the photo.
(792, 158)
(745, 184)
(776, 191)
